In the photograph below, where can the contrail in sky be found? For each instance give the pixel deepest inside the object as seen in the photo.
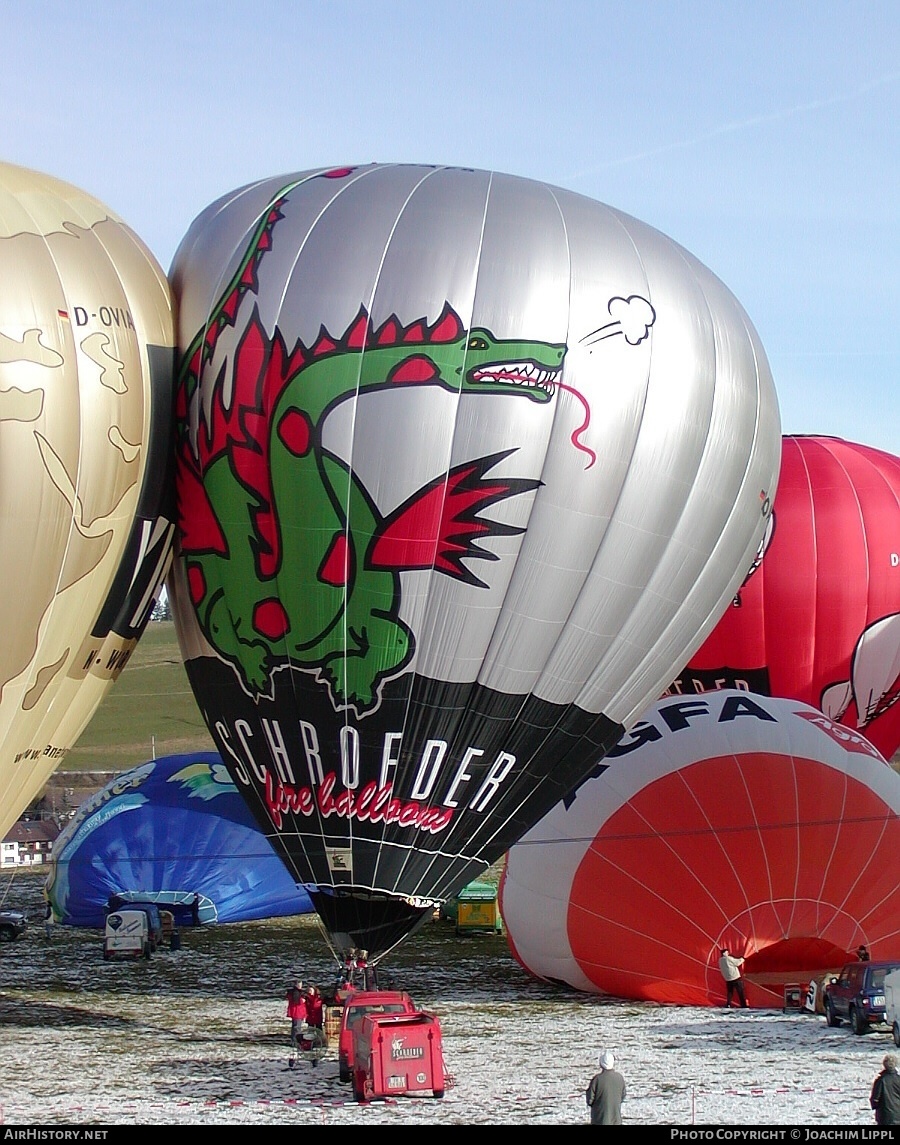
(741, 125)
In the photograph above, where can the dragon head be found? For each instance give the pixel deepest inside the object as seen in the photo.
(528, 368)
(475, 362)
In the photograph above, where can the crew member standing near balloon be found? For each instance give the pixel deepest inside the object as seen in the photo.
(314, 1011)
(296, 1010)
(365, 972)
(885, 1097)
(731, 972)
(606, 1092)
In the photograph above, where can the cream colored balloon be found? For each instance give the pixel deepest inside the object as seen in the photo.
(86, 350)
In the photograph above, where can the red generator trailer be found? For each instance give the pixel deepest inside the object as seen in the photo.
(398, 1054)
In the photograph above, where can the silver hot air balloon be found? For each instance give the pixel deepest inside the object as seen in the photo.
(467, 466)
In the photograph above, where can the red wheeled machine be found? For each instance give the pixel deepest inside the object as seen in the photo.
(398, 1054)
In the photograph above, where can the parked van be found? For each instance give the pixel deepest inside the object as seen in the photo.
(135, 931)
(127, 935)
(358, 1005)
(892, 1003)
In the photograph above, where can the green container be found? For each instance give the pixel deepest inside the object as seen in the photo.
(475, 908)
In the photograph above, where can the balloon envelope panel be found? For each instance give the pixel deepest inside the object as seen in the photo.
(818, 619)
(729, 819)
(86, 363)
(467, 466)
(163, 832)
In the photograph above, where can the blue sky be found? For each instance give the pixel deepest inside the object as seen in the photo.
(765, 138)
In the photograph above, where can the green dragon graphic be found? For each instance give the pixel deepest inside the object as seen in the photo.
(289, 562)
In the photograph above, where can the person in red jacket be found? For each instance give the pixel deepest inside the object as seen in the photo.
(296, 1010)
(315, 1016)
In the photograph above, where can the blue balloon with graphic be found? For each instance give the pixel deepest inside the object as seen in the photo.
(177, 832)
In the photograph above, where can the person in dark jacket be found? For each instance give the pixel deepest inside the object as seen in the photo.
(606, 1092)
(885, 1096)
(862, 953)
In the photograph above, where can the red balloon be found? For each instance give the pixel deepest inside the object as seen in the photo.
(726, 819)
(818, 617)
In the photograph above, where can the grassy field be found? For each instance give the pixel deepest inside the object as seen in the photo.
(150, 710)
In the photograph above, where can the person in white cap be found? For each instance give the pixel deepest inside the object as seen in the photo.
(606, 1092)
(730, 969)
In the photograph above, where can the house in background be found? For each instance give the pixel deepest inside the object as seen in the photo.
(29, 843)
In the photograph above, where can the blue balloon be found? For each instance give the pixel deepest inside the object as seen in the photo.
(165, 832)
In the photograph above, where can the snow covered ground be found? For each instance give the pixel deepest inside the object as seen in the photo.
(198, 1036)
